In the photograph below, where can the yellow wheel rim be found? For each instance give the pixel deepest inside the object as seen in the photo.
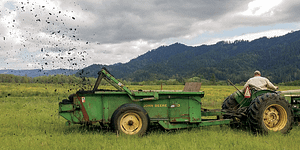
(131, 123)
(275, 117)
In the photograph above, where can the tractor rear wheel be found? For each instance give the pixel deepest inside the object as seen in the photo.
(270, 112)
(130, 119)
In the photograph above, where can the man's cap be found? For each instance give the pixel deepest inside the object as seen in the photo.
(257, 72)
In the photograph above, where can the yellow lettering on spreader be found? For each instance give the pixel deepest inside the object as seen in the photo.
(155, 105)
(148, 105)
(160, 105)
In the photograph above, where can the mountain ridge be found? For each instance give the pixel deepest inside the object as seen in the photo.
(278, 58)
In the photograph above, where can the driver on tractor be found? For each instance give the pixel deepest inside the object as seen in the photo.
(259, 83)
(260, 109)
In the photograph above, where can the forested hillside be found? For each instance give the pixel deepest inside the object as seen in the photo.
(278, 58)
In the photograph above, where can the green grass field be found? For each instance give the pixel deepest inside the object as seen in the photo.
(30, 120)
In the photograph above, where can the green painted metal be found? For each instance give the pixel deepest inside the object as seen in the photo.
(212, 112)
(245, 102)
(66, 107)
(214, 122)
(168, 108)
(293, 97)
(239, 97)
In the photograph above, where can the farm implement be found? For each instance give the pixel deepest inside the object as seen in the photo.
(132, 112)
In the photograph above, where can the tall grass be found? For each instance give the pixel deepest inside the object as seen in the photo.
(31, 121)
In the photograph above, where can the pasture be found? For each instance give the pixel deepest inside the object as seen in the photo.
(30, 120)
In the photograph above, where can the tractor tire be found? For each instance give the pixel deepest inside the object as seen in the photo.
(230, 103)
(130, 119)
(229, 106)
(270, 112)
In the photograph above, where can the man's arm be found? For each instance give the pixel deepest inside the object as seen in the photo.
(270, 85)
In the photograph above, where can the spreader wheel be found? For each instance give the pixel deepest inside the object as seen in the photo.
(130, 119)
(131, 123)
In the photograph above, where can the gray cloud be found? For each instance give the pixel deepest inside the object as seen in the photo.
(118, 30)
(123, 21)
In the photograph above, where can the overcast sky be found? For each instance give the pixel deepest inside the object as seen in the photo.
(72, 34)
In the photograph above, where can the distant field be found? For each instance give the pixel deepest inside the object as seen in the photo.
(29, 120)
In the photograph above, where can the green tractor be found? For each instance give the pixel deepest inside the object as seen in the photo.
(262, 111)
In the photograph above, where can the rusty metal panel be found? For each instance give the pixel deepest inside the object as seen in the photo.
(195, 109)
(77, 113)
(93, 106)
(192, 87)
(105, 110)
(178, 110)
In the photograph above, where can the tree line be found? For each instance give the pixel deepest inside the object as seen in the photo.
(53, 79)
